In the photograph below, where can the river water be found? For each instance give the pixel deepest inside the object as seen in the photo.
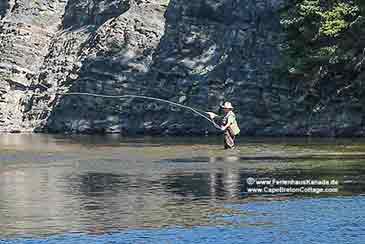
(109, 189)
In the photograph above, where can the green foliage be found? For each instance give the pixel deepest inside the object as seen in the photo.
(323, 46)
(337, 19)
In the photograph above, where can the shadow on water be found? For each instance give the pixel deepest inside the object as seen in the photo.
(55, 184)
(221, 184)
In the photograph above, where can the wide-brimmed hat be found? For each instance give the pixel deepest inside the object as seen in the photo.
(227, 105)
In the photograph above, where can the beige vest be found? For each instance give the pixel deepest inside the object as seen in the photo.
(234, 126)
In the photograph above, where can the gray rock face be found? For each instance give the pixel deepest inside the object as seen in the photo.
(198, 53)
(92, 12)
(26, 30)
(4, 6)
(221, 50)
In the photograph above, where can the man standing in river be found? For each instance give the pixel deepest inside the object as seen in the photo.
(229, 125)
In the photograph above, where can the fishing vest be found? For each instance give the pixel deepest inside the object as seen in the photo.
(234, 126)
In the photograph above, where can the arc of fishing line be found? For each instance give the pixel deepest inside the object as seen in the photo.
(200, 113)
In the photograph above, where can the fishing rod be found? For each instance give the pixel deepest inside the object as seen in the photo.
(196, 111)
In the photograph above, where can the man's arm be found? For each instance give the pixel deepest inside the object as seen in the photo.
(225, 127)
(229, 123)
(212, 115)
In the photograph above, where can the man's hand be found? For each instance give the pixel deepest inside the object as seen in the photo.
(223, 128)
(212, 115)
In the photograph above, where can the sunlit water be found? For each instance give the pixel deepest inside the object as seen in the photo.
(93, 189)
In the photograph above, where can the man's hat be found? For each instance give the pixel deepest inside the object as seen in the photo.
(227, 105)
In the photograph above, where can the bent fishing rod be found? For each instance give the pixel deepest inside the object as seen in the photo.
(194, 110)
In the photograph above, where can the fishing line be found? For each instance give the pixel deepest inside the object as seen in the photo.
(196, 111)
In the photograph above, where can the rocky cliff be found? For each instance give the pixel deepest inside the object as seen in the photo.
(198, 53)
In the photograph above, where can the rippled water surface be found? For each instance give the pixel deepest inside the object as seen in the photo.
(94, 189)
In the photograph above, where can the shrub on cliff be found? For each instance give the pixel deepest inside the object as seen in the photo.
(324, 51)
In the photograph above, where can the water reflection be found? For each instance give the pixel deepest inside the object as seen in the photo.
(59, 186)
(102, 183)
(216, 185)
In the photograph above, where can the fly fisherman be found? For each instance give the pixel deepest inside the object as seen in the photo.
(229, 125)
